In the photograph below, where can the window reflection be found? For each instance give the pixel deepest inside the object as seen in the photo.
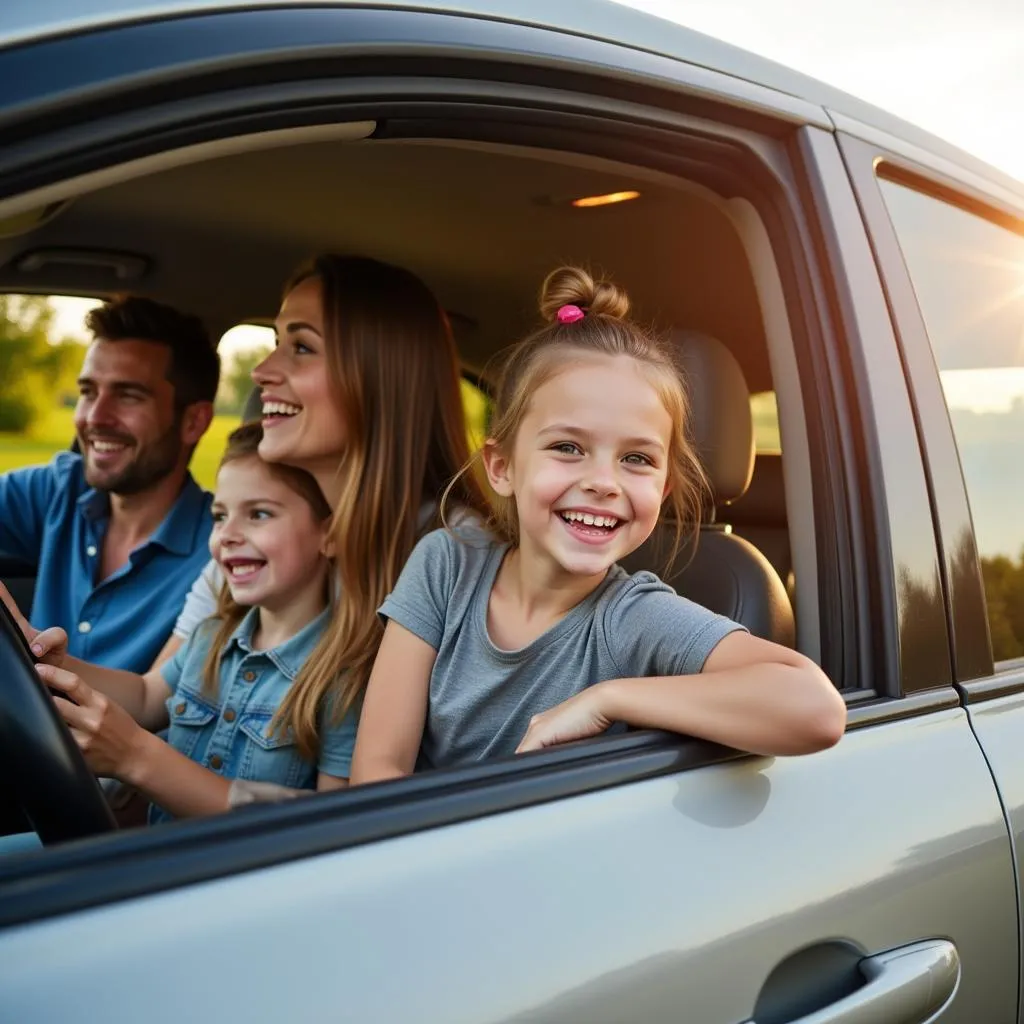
(968, 274)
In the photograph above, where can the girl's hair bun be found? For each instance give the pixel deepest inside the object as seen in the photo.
(573, 286)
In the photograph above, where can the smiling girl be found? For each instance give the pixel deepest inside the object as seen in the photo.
(533, 635)
(223, 693)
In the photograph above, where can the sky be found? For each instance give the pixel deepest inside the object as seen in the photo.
(953, 67)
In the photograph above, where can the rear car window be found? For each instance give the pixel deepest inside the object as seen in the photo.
(968, 274)
(765, 413)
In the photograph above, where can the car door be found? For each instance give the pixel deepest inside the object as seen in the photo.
(638, 877)
(951, 246)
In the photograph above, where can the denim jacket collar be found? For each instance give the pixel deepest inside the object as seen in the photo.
(288, 657)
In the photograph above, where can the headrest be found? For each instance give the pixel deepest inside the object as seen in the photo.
(764, 504)
(721, 422)
(253, 406)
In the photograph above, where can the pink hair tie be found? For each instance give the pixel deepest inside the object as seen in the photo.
(570, 314)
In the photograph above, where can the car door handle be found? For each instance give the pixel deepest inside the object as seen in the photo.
(908, 985)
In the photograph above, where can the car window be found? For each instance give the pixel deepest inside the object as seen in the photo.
(41, 338)
(968, 274)
(765, 413)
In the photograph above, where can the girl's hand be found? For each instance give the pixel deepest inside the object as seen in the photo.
(575, 719)
(48, 645)
(106, 734)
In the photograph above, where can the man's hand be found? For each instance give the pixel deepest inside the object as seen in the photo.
(48, 645)
(107, 735)
(574, 719)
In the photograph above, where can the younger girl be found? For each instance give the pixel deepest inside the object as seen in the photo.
(222, 693)
(535, 636)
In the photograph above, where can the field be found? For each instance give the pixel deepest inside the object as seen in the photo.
(56, 432)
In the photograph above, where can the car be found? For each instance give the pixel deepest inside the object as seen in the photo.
(808, 252)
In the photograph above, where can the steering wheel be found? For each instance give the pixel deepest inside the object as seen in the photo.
(50, 779)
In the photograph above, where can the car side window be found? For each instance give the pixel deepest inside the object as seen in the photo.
(764, 411)
(968, 275)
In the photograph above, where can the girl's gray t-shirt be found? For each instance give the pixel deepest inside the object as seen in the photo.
(482, 697)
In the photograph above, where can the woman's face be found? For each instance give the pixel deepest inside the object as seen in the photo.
(303, 423)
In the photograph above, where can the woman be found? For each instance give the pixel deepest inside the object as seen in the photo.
(362, 391)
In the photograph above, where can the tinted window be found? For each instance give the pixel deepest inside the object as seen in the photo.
(968, 274)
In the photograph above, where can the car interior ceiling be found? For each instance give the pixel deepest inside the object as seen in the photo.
(481, 223)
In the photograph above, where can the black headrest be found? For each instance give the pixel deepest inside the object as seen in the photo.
(723, 428)
(764, 504)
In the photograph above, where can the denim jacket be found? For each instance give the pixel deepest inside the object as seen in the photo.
(230, 733)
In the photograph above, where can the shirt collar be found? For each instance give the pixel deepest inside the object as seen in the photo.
(290, 656)
(178, 532)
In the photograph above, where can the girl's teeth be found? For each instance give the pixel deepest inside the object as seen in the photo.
(280, 409)
(588, 519)
(241, 570)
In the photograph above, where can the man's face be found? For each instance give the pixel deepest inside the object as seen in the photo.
(128, 428)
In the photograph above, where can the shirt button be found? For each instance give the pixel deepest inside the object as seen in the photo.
(216, 761)
(179, 709)
(84, 627)
(249, 675)
(91, 550)
(229, 715)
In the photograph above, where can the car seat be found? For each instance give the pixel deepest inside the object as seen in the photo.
(723, 572)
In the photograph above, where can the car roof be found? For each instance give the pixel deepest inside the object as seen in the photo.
(23, 21)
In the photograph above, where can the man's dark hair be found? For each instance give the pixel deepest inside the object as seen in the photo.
(194, 368)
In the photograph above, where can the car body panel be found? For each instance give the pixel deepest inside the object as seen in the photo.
(671, 899)
(998, 723)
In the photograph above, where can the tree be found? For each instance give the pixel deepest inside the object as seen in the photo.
(236, 381)
(33, 372)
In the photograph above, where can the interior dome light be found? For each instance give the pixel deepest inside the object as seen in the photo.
(606, 200)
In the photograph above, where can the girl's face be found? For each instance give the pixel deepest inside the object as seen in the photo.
(589, 465)
(303, 424)
(265, 537)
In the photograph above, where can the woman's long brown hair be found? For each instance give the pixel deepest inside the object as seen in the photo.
(395, 370)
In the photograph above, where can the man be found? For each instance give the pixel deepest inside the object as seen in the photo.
(119, 532)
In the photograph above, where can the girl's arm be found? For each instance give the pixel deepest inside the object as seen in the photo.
(115, 745)
(395, 707)
(752, 695)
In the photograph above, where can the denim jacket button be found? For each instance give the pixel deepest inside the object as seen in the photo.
(249, 675)
(179, 709)
(216, 761)
(229, 715)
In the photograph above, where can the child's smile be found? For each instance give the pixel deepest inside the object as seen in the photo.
(591, 526)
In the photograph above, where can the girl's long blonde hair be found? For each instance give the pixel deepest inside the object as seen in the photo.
(604, 329)
(244, 443)
(394, 369)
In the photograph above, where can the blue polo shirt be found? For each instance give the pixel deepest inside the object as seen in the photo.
(51, 518)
